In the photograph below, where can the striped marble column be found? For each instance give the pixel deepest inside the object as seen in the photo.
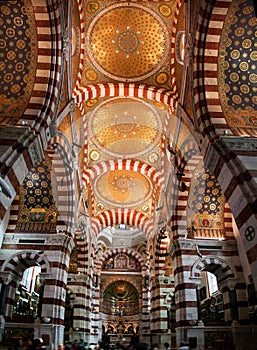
(233, 161)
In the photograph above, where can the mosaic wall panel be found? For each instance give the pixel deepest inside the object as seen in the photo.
(37, 212)
(237, 66)
(18, 51)
(206, 201)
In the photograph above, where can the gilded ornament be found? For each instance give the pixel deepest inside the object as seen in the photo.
(18, 21)
(246, 43)
(145, 208)
(162, 78)
(247, 10)
(253, 55)
(100, 206)
(236, 99)
(244, 66)
(2, 43)
(235, 54)
(15, 88)
(165, 10)
(153, 158)
(91, 75)
(239, 31)
(92, 7)
(5, 10)
(236, 120)
(126, 31)
(38, 192)
(254, 99)
(253, 21)
(92, 102)
(94, 155)
(244, 89)
(45, 200)
(31, 200)
(253, 78)
(234, 76)
(18, 48)
(226, 88)
(207, 198)
(10, 32)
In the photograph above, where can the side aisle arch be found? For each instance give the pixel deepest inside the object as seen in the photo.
(126, 216)
(111, 252)
(224, 271)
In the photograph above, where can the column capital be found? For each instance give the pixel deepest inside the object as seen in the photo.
(7, 277)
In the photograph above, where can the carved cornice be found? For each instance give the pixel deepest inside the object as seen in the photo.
(7, 277)
(225, 147)
(47, 240)
(181, 243)
(240, 143)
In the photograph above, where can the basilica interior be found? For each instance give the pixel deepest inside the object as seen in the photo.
(128, 195)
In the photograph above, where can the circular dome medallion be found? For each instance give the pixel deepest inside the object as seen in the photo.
(125, 127)
(123, 188)
(123, 44)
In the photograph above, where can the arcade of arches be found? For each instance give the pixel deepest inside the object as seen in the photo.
(128, 195)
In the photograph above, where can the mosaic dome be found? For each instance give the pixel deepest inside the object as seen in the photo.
(122, 42)
(125, 127)
(123, 187)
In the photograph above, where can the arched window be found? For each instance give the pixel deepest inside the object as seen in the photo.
(28, 294)
(212, 309)
(212, 283)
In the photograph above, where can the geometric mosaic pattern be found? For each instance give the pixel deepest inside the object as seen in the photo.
(238, 64)
(18, 45)
(37, 208)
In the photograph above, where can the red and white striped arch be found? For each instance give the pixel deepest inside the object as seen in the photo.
(124, 164)
(173, 50)
(16, 264)
(226, 270)
(208, 110)
(126, 216)
(83, 93)
(129, 251)
(49, 62)
(153, 93)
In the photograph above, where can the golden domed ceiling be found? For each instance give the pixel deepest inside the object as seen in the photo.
(127, 32)
(131, 43)
(128, 42)
(122, 188)
(124, 127)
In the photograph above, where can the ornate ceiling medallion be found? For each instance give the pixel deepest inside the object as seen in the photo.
(124, 127)
(123, 188)
(123, 44)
